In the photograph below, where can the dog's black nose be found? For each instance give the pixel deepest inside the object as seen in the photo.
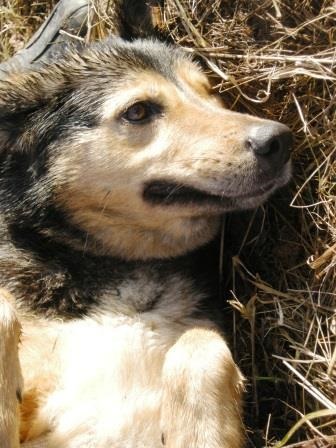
(271, 142)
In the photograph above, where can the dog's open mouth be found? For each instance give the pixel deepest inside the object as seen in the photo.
(169, 193)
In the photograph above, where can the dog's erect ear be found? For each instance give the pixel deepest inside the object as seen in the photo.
(139, 18)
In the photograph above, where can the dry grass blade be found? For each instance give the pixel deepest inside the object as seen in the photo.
(305, 419)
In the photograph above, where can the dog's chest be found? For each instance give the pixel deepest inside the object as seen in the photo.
(104, 371)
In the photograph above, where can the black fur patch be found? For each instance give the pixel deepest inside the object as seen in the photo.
(43, 257)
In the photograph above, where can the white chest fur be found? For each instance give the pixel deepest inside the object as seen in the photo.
(106, 381)
(127, 379)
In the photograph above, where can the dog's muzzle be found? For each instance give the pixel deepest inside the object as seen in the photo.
(270, 143)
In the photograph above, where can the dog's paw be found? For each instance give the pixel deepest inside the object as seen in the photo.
(202, 393)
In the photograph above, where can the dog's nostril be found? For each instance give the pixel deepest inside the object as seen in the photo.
(271, 142)
(274, 146)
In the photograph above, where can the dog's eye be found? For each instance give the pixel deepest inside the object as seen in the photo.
(140, 112)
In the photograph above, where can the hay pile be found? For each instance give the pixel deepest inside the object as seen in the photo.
(275, 59)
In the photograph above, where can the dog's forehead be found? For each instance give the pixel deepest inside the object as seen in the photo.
(130, 60)
(146, 68)
(141, 54)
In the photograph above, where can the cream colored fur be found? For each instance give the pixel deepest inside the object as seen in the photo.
(119, 378)
(10, 373)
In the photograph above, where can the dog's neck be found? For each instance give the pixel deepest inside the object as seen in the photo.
(63, 275)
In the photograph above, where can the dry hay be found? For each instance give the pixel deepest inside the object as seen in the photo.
(276, 59)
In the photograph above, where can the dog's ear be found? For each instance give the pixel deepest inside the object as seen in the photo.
(23, 97)
(139, 18)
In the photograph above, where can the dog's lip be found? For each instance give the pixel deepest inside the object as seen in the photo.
(167, 192)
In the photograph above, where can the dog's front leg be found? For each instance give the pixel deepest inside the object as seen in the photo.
(202, 389)
(10, 373)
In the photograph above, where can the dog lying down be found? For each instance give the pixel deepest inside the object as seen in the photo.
(114, 159)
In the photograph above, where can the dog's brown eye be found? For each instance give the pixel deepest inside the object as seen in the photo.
(140, 112)
(136, 112)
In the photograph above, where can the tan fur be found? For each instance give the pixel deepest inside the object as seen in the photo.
(38, 348)
(188, 422)
(198, 141)
(124, 377)
(28, 410)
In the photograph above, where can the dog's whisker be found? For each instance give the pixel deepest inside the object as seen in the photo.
(85, 245)
(192, 160)
(174, 190)
(100, 216)
(104, 203)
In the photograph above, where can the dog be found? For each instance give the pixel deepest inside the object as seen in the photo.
(116, 160)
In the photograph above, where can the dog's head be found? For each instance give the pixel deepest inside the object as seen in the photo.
(129, 141)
